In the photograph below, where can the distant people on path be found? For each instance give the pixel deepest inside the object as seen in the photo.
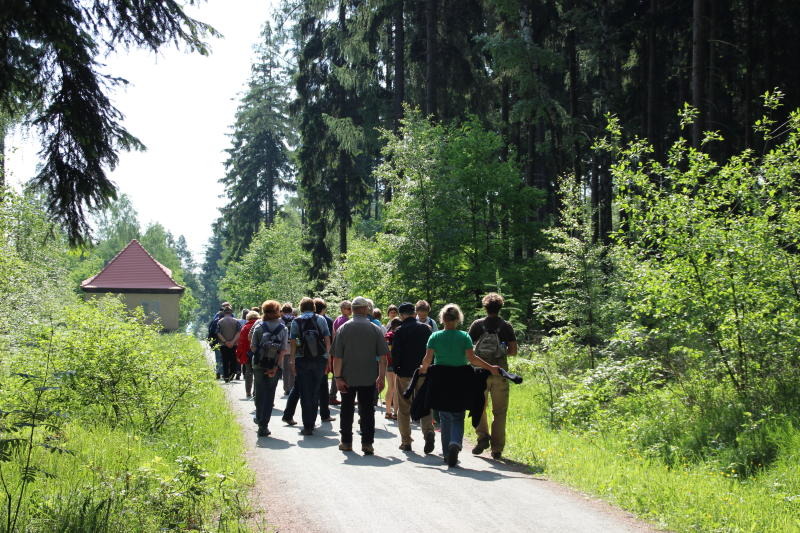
(452, 351)
(310, 342)
(324, 396)
(228, 334)
(359, 364)
(286, 374)
(423, 308)
(270, 346)
(243, 353)
(409, 345)
(494, 340)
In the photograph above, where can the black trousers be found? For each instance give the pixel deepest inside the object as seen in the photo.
(228, 361)
(366, 413)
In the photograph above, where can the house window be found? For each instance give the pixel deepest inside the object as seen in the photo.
(151, 308)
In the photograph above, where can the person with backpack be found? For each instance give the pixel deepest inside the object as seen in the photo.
(213, 340)
(409, 344)
(269, 347)
(423, 308)
(286, 375)
(450, 349)
(228, 329)
(494, 340)
(310, 343)
(324, 400)
(244, 353)
(345, 311)
(359, 368)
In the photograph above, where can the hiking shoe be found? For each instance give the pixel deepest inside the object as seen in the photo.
(307, 432)
(263, 431)
(405, 447)
(430, 442)
(368, 449)
(329, 419)
(483, 443)
(346, 446)
(289, 421)
(452, 454)
(497, 455)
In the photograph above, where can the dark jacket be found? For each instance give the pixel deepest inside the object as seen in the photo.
(409, 343)
(451, 388)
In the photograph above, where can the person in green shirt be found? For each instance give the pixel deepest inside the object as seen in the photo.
(452, 347)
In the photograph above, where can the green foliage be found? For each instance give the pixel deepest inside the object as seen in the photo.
(274, 267)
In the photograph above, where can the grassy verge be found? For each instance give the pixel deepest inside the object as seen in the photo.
(189, 475)
(695, 497)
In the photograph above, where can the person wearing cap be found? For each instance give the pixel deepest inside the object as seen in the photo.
(213, 340)
(409, 343)
(358, 346)
(228, 334)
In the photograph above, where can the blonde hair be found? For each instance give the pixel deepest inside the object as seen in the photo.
(252, 315)
(451, 313)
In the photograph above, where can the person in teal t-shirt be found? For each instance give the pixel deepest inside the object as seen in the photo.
(452, 347)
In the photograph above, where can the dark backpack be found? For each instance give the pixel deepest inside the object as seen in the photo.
(213, 329)
(265, 356)
(311, 343)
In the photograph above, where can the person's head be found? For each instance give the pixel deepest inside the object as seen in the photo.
(287, 309)
(451, 315)
(377, 313)
(371, 305)
(223, 305)
(395, 323)
(256, 309)
(492, 303)
(307, 305)
(392, 312)
(244, 313)
(360, 306)
(422, 308)
(346, 308)
(252, 315)
(227, 311)
(320, 306)
(406, 310)
(270, 310)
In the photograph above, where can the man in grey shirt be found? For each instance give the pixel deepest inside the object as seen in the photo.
(359, 367)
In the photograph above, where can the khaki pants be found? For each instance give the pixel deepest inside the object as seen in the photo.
(404, 411)
(497, 388)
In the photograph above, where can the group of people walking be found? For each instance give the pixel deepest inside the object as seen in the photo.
(431, 374)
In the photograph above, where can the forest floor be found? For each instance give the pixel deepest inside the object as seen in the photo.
(304, 483)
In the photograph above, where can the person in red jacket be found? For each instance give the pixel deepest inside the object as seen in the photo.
(243, 352)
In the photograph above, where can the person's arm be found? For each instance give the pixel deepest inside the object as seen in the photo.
(474, 360)
(341, 384)
(381, 381)
(512, 348)
(426, 361)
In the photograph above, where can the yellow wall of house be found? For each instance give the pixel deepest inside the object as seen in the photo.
(164, 306)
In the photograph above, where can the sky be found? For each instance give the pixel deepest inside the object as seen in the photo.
(181, 106)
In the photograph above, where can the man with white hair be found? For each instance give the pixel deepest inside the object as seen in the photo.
(358, 346)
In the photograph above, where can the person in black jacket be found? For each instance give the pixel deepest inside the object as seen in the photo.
(408, 349)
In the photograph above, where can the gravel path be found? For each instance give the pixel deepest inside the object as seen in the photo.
(305, 484)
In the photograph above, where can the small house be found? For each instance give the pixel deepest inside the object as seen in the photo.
(141, 281)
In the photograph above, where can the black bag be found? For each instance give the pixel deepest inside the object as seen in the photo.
(311, 343)
(269, 348)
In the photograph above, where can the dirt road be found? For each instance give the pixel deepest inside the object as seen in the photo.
(305, 484)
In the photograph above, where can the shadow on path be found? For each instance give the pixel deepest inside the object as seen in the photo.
(355, 459)
(273, 444)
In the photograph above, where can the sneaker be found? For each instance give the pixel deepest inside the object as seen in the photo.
(263, 431)
(289, 421)
(329, 419)
(368, 449)
(346, 446)
(452, 454)
(497, 455)
(307, 432)
(483, 443)
(405, 447)
(430, 442)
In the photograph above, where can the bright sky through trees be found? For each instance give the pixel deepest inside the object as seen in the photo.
(180, 106)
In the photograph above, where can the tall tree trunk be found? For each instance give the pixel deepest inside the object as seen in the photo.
(505, 110)
(572, 55)
(399, 64)
(342, 237)
(748, 75)
(430, 57)
(699, 69)
(651, 73)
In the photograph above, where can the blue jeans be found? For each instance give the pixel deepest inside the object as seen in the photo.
(452, 429)
(307, 382)
(265, 395)
(218, 359)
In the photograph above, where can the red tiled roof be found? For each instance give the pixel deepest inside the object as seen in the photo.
(133, 269)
